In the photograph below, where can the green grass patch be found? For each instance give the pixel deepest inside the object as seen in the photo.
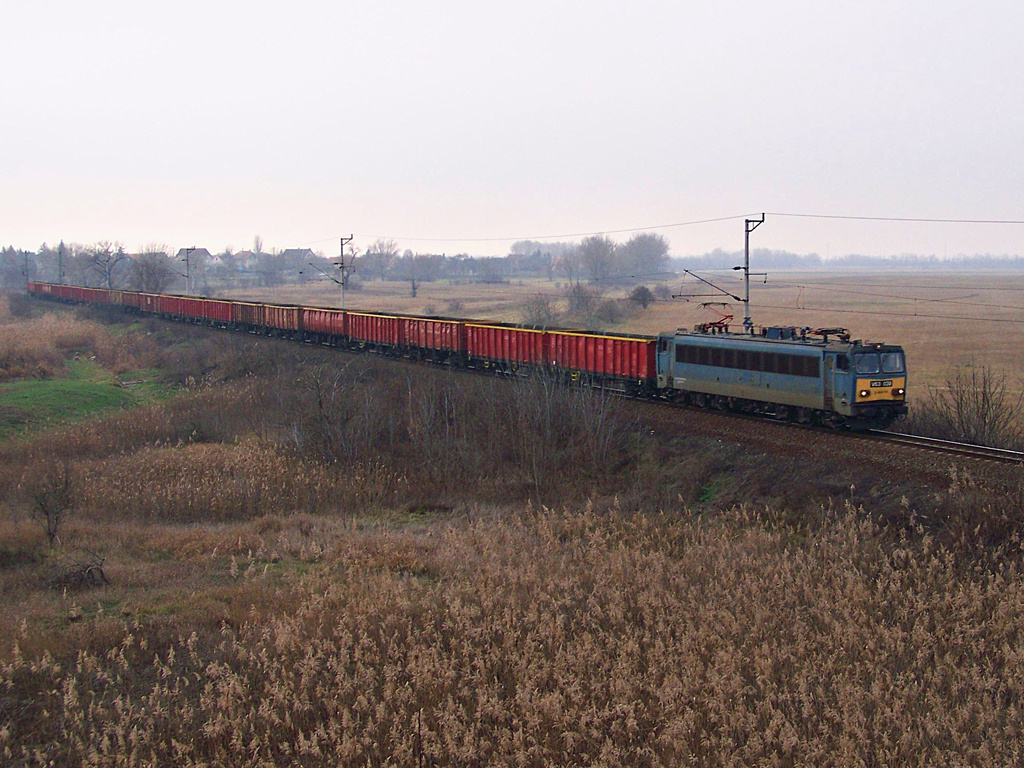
(26, 404)
(87, 389)
(707, 493)
(87, 370)
(147, 384)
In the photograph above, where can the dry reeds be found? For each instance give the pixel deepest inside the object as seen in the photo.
(570, 638)
(38, 347)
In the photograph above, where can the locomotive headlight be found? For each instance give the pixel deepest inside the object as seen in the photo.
(899, 392)
(864, 393)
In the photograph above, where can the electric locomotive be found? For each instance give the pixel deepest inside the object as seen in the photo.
(817, 376)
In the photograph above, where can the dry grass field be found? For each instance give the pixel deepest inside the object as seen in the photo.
(914, 309)
(264, 554)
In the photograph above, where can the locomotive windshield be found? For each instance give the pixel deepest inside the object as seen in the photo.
(871, 363)
(892, 362)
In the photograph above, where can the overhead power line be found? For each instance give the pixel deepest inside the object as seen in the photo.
(833, 310)
(897, 218)
(859, 284)
(555, 237)
(694, 222)
(959, 301)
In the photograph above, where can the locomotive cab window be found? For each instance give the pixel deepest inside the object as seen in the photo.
(892, 362)
(842, 363)
(867, 364)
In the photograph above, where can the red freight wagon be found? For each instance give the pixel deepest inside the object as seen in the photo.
(430, 333)
(375, 329)
(623, 357)
(246, 314)
(131, 299)
(282, 317)
(217, 311)
(192, 308)
(329, 322)
(149, 302)
(506, 344)
(91, 295)
(170, 305)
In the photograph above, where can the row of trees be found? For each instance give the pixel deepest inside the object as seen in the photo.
(107, 264)
(155, 267)
(104, 264)
(595, 258)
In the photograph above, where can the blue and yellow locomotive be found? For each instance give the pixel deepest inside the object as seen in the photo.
(814, 376)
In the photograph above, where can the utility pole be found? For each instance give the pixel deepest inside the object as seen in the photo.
(344, 269)
(188, 273)
(60, 263)
(749, 225)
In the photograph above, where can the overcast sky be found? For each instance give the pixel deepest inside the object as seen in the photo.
(206, 123)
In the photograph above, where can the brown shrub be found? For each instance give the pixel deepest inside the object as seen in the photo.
(39, 347)
(976, 406)
(539, 312)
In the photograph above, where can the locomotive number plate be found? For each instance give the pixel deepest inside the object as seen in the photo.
(880, 384)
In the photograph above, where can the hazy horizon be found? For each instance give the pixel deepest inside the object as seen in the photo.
(462, 127)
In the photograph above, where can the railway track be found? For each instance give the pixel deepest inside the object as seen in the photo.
(967, 450)
(946, 446)
(935, 445)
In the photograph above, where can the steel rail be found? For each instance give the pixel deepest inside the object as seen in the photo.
(946, 446)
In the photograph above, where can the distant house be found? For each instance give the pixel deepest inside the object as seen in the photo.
(196, 255)
(245, 260)
(296, 255)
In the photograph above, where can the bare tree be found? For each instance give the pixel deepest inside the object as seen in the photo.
(108, 262)
(569, 263)
(597, 256)
(491, 270)
(418, 268)
(581, 300)
(380, 257)
(644, 254)
(74, 258)
(323, 384)
(539, 311)
(151, 270)
(51, 495)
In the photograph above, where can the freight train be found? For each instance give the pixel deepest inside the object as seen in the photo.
(814, 376)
